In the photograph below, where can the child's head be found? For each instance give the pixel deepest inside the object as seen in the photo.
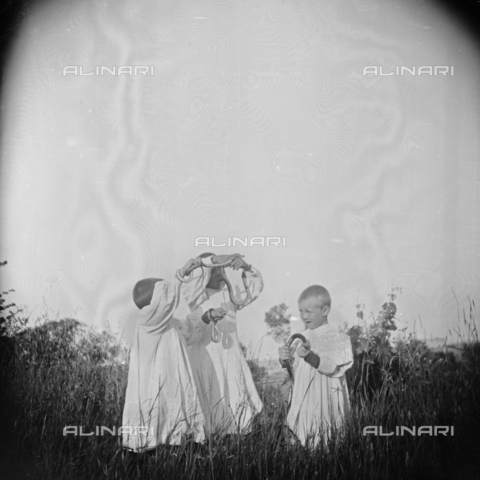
(143, 291)
(216, 281)
(314, 304)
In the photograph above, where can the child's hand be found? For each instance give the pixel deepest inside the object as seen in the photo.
(218, 314)
(285, 353)
(238, 262)
(190, 266)
(196, 263)
(304, 349)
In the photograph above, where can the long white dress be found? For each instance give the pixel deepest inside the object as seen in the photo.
(224, 381)
(161, 396)
(320, 397)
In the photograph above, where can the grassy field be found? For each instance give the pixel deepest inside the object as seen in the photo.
(50, 379)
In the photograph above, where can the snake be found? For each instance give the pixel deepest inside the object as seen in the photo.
(288, 365)
(215, 334)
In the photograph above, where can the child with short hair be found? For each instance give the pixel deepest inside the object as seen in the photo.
(161, 402)
(320, 397)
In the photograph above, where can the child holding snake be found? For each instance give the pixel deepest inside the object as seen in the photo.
(161, 402)
(320, 397)
(224, 380)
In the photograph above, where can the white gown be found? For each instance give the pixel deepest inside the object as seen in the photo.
(161, 395)
(227, 392)
(320, 397)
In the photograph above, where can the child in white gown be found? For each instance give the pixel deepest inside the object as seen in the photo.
(320, 397)
(161, 396)
(224, 381)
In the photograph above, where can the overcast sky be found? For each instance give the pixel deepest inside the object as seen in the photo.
(255, 119)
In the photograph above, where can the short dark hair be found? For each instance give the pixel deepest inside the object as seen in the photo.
(316, 291)
(143, 291)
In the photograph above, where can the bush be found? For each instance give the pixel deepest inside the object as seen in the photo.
(64, 376)
(372, 348)
(66, 340)
(10, 321)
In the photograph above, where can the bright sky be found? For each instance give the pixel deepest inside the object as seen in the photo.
(257, 121)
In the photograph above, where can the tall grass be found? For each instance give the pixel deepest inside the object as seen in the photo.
(52, 380)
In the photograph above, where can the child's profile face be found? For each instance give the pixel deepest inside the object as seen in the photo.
(313, 312)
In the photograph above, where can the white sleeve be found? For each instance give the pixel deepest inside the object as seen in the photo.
(196, 327)
(336, 362)
(254, 282)
(194, 291)
(155, 316)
